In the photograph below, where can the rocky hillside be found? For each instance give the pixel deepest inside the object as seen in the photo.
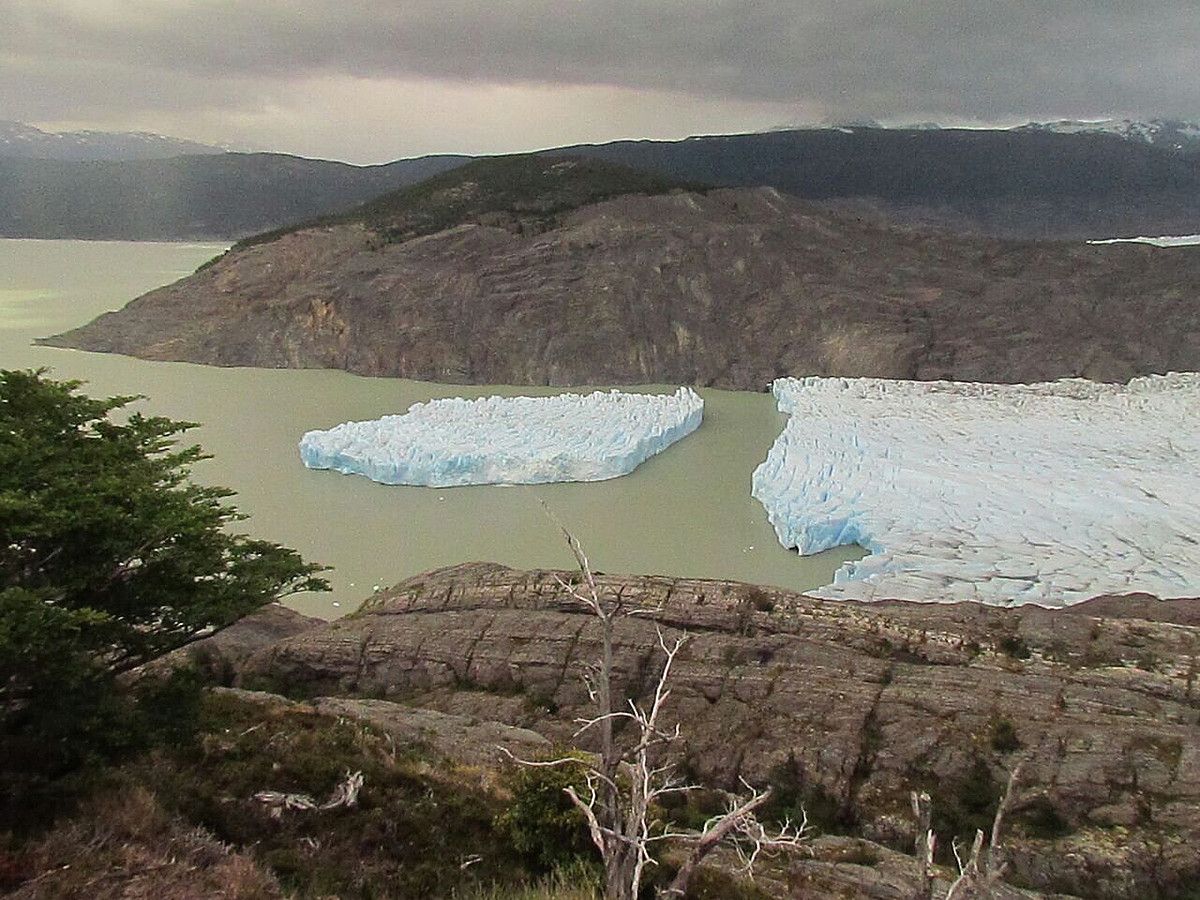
(540, 270)
(847, 706)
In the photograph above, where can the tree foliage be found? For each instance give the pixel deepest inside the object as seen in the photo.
(110, 556)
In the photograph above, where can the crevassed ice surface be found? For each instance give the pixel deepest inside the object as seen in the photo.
(508, 440)
(1044, 493)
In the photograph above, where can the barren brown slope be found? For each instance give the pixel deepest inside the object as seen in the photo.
(729, 288)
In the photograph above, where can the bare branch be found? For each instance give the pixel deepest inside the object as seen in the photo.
(1001, 812)
(540, 763)
(597, 831)
(925, 842)
(969, 873)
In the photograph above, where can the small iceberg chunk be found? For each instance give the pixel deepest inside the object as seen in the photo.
(1007, 494)
(508, 440)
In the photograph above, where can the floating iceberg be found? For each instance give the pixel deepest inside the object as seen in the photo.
(509, 440)
(1042, 493)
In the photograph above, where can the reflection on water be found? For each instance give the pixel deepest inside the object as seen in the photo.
(687, 511)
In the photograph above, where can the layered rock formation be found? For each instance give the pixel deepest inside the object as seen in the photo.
(852, 704)
(472, 279)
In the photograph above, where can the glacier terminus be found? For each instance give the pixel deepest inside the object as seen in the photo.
(1045, 493)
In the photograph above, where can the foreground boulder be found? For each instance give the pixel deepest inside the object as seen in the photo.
(848, 706)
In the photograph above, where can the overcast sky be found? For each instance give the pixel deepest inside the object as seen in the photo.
(373, 81)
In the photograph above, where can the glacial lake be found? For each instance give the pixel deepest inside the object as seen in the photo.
(685, 512)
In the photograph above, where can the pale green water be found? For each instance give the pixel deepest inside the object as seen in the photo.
(687, 511)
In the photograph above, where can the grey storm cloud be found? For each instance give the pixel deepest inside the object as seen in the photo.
(962, 59)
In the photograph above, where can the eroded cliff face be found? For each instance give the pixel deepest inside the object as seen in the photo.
(857, 703)
(730, 288)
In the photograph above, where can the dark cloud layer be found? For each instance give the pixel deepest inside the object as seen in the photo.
(949, 59)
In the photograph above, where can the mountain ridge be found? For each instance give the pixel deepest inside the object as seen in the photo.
(1003, 183)
(726, 288)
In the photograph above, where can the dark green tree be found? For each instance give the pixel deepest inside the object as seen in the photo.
(110, 556)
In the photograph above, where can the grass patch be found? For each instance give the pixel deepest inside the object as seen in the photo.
(577, 881)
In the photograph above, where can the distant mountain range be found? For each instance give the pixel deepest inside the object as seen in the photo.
(1169, 134)
(211, 197)
(1055, 180)
(19, 140)
(26, 142)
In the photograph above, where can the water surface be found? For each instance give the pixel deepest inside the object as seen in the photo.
(687, 511)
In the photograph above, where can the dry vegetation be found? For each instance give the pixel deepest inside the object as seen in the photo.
(125, 845)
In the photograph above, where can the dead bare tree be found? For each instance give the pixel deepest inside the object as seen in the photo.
(925, 844)
(626, 780)
(344, 794)
(984, 866)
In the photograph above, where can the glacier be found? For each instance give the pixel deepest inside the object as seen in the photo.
(1005, 494)
(508, 440)
(1164, 241)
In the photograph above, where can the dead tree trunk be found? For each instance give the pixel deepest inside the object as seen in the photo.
(624, 784)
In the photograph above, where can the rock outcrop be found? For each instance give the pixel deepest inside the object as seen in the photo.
(463, 739)
(219, 655)
(726, 288)
(852, 705)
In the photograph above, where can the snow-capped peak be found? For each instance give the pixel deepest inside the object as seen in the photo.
(1173, 134)
(26, 141)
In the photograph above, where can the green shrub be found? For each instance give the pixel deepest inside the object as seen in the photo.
(794, 793)
(169, 708)
(965, 803)
(541, 821)
(1014, 645)
(1041, 819)
(691, 809)
(418, 820)
(1004, 735)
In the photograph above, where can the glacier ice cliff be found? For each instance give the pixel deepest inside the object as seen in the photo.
(1043, 493)
(508, 440)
